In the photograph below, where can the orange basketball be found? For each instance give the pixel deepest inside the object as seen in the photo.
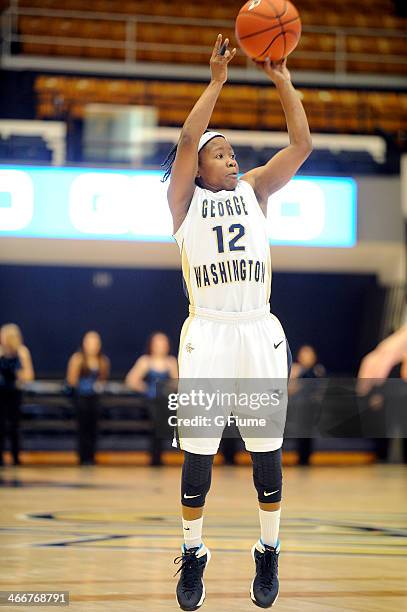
(268, 28)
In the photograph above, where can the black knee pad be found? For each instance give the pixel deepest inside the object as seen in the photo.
(267, 475)
(196, 479)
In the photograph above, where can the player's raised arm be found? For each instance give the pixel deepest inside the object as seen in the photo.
(184, 168)
(271, 177)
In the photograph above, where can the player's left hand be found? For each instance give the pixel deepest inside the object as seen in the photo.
(277, 71)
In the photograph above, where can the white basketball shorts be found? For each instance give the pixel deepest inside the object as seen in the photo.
(233, 369)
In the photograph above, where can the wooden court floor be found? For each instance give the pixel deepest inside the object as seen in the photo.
(109, 535)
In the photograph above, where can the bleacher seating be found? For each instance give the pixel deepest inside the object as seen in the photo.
(48, 418)
(239, 107)
(104, 38)
(321, 161)
(366, 13)
(18, 148)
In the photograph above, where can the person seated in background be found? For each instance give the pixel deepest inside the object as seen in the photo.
(305, 366)
(149, 376)
(15, 368)
(87, 370)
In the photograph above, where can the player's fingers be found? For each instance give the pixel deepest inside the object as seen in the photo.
(278, 65)
(223, 51)
(363, 386)
(364, 382)
(218, 43)
(268, 64)
(229, 55)
(370, 374)
(258, 64)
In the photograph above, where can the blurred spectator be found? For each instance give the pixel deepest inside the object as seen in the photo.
(306, 397)
(150, 375)
(15, 367)
(88, 369)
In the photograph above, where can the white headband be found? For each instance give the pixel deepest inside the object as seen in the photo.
(205, 138)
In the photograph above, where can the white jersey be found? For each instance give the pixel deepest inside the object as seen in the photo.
(225, 250)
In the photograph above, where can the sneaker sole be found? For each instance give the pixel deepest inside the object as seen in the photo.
(200, 602)
(256, 603)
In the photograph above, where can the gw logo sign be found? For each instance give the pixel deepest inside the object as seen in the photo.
(16, 200)
(111, 205)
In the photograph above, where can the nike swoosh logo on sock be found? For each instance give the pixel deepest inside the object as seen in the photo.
(190, 496)
(271, 493)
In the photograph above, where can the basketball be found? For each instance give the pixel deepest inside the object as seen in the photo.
(268, 28)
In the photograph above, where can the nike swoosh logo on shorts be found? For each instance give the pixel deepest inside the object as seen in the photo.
(277, 345)
(190, 496)
(267, 494)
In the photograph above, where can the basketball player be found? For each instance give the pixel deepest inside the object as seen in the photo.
(220, 227)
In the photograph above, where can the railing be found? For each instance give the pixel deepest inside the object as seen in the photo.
(130, 45)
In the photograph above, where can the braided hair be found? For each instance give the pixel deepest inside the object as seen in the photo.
(169, 161)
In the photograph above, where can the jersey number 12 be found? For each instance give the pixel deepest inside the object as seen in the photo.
(237, 229)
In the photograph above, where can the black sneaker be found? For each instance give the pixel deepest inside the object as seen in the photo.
(264, 589)
(190, 587)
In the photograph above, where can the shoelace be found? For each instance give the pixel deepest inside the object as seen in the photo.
(268, 568)
(190, 577)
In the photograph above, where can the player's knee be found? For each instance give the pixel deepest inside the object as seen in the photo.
(267, 475)
(196, 479)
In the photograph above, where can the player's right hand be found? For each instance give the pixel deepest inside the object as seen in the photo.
(277, 71)
(219, 62)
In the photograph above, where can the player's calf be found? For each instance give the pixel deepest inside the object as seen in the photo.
(267, 477)
(195, 484)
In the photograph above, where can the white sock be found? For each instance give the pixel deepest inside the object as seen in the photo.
(269, 524)
(192, 532)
